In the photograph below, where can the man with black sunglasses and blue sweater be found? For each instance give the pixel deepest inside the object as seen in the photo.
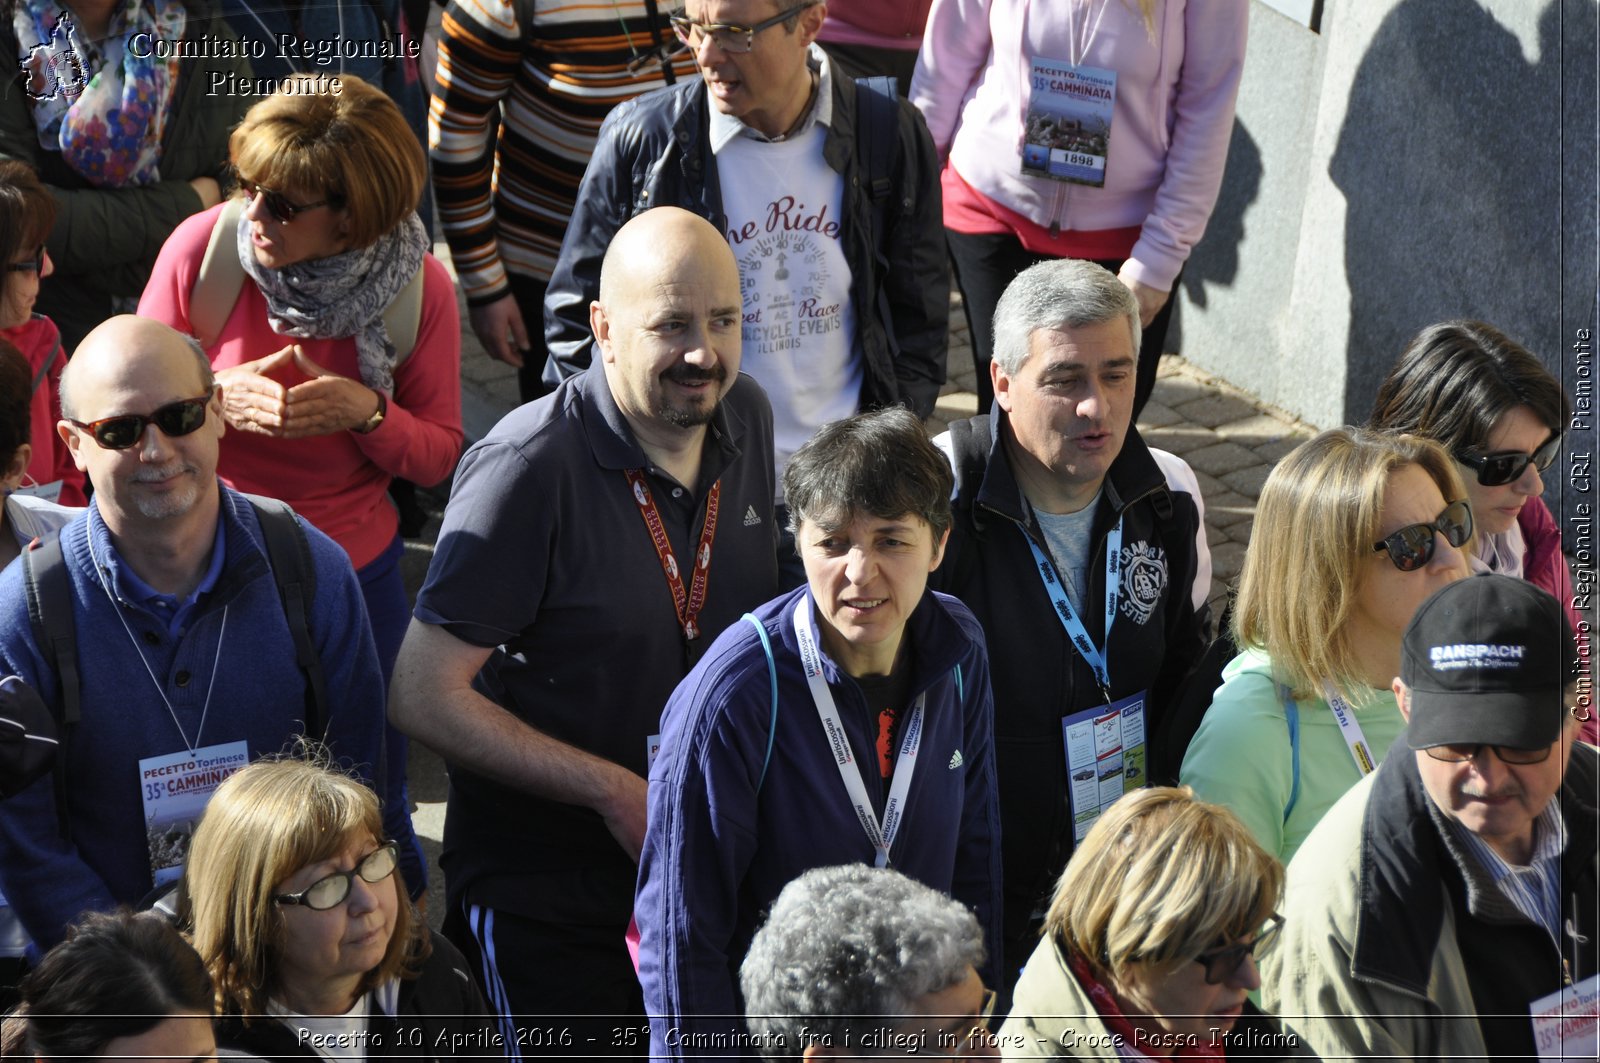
(186, 665)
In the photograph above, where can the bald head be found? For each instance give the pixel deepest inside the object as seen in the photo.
(108, 350)
(667, 325)
(663, 241)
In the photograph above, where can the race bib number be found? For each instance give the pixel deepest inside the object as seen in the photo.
(174, 789)
(1067, 122)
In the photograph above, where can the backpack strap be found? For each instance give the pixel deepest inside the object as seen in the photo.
(221, 278)
(44, 369)
(772, 674)
(1291, 713)
(216, 286)
(877, 140)
(49, 590)
(289, 552)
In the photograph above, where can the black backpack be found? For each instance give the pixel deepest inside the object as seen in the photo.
(50, 612)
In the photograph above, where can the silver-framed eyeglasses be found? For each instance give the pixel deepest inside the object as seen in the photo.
(330, 891)
(726, 36)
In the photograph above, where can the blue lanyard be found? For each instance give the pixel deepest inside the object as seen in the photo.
(1069, 616)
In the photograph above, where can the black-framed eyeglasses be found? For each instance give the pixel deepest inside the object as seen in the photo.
(278, 204)
(330, 891)
(126, 429)
(28, 265)
(1507, 466)
(1412, 546)
(1460, 754)
(728, 37)
(1221, 963)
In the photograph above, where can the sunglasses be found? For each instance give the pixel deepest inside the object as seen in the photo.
(1460, 754)
(1412, 546)
(727, 37)
(121, 432)
(1506, 466)
(1222, 963)
(278, 204)
(28, 265)
(330, 891)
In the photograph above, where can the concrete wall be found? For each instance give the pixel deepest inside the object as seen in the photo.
(1408, 164)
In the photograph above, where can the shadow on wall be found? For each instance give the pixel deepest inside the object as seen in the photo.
(1215, 261)
(1451, 162)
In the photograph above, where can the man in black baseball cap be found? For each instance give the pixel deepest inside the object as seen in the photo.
(1451, 896)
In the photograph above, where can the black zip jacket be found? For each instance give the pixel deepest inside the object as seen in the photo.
(1162, 628)
(655, 150)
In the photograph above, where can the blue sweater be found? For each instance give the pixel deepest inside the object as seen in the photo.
(722, 842)
(259, 698)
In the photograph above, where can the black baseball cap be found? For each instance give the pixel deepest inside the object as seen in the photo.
(1486, 660)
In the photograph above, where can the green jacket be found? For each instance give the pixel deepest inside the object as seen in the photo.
(1369, 964)
(1053, 1018)
(105, 241)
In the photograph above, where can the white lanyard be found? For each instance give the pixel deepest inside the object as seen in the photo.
(216, 657)
(1069, 616)
(1078, 40)
(1346, 717)
(849, 771)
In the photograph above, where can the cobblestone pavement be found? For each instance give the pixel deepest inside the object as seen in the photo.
(1229, 438)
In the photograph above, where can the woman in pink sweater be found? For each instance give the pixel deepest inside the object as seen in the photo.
(327, 405)
(1092, 129)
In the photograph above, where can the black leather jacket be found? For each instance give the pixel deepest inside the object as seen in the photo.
(655, 150)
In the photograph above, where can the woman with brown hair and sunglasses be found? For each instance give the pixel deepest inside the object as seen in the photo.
(1354, 529)
(27, 212)
(1490, 402)
(1152, 939)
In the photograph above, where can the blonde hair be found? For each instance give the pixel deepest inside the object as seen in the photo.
(1318, 518)
(1161, 877)
(264, 823)
(353, 148)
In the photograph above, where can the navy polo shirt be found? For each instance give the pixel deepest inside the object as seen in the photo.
(545, 556)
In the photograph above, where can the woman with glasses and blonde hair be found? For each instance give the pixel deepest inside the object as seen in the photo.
(1354, 529)
(291, 893)
(1151, 941)
(1489, 401)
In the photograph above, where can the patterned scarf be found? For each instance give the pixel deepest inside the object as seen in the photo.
(102, 107)
(1105, 1002)
(343, 295)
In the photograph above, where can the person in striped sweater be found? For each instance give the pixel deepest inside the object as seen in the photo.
(546, 72)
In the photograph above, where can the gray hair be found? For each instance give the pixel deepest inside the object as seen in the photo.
(1058, 293)
(847, 950)
(208, 378)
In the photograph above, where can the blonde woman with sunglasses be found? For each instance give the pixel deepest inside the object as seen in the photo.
(1354, 529)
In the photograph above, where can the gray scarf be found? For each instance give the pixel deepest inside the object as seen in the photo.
(343, 295)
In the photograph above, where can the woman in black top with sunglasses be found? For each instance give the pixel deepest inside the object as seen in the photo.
(1354, 530)
(1490, 402)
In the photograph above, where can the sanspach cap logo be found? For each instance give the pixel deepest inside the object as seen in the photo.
(1475, 655)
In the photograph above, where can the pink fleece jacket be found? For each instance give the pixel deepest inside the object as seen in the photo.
(39, 340)
(1170, 125)
(339, 482)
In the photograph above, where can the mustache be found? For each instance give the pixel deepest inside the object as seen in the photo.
(1474, 790)
(689, 374)
(164, 472)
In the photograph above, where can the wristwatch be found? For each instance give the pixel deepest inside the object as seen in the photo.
(377, 416)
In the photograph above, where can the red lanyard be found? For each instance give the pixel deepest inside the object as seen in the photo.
(687, 603)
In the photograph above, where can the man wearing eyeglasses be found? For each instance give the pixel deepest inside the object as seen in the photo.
(844, 276)
(1446, 907)
(186, 663)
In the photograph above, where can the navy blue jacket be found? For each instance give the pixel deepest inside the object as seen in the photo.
(731, 824)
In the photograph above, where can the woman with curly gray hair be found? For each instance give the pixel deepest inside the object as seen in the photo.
(856, 960)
